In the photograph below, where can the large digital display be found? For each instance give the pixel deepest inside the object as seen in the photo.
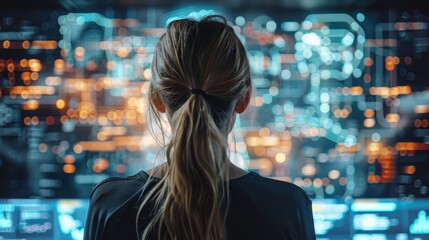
(340, 105)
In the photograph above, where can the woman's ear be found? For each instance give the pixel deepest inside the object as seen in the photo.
(243, 102)
(157, 102)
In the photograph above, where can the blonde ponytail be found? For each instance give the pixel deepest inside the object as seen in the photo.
(191, 198)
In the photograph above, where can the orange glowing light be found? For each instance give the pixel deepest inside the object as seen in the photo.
(60, 103)
(6, 44)
(31, 105)
(404, 90)
(373, 178)
(421, 109)
(110, 65)
(417, 123)
(102, 120)
(114, 130)
(35, 120)
(124, 141)
(369, 113)
(396, 60)
(23, 62)
(101, 136)
(369, 122)
(25, 44)
(264, 132)
(59, 64)
(98, 86)
(374, 148)
(123, 52)
(96, 146)
(11, 67)
(280, 157)
(259, 151)
(70, 112)
(69, 159)
(27, 82)
(392, 117)
(356, 90)
(377, 178)
(389, 66)
(47, 44)
(344, 113)
(35, 65)
(409, 169)
(64, 119)
(100, 165)
(368, 61)
(83, 114)
(370, 178)
(25, 76)
(77, 148)
(111, 115)
(80, 85)
(27, 121)
(141, 119)
(133, 147)
(34, 76)
(69, 168)
(411, 146)
(24, 94)
(103, 45)
(317, 182)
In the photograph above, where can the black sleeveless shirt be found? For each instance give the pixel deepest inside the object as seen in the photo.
(260, 208)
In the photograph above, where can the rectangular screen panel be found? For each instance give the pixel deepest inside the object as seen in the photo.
(37, 219)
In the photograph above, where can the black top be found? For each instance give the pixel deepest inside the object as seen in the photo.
(260, 208)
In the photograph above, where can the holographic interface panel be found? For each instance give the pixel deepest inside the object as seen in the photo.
(340, 105)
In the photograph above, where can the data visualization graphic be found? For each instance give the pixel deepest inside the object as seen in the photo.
(340, 104)
(42, 219)
(334, 219)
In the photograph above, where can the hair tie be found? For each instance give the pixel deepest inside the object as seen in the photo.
(197, 91)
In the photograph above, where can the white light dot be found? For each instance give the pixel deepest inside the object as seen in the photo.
(375, 137)
(286, 74)
(240, 21)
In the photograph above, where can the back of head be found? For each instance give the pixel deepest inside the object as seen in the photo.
(200, 72)
(205, 54)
